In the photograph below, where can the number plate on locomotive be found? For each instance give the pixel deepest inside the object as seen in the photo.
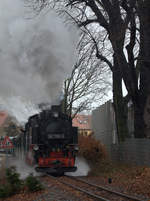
(56, 136)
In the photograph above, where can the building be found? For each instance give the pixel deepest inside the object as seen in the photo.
(132, 150)
(103, 124)
(83, 122)
(3, 118)
(8, 125)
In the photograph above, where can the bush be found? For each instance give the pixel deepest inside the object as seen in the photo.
(5, 191)
(12, 184)
(13, 179)
(33, 183)
(91, 149)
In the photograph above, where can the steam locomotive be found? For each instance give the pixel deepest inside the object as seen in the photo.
(50, 142)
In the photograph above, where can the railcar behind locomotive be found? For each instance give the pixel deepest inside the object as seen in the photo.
(50, 141)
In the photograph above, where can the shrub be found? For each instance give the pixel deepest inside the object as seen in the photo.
(12, 183)
(5, 191)
(91, 149)
(13, 179)
(33, 183)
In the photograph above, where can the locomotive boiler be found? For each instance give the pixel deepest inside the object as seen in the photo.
(50, 142)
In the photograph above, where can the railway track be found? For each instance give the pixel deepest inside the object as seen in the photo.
(95, 191)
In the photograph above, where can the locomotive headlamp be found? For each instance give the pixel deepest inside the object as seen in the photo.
(35, 147)
(55, 114)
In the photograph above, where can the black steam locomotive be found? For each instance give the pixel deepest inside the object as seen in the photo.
(50, 141)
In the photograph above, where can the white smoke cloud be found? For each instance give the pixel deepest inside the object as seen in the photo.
(18, 108)
(21, 167)
(82, 168)
(36, 53)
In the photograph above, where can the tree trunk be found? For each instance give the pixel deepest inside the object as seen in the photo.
(119, 105)
(144, 60)
(139, 124)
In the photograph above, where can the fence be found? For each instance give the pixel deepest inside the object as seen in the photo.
(132, 151)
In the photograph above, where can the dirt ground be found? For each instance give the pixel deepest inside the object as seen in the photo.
(125, 178)
(128, 179)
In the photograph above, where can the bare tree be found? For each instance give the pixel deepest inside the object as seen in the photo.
(89, 80)
(100, 46)
(116, 17)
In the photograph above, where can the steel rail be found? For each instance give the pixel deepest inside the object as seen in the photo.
(81, 190)
(84, 191)
(133, 198)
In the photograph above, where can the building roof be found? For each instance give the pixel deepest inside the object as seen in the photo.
(82, 121)
(3, 117)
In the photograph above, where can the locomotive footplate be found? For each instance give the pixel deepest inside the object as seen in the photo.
(55, 170)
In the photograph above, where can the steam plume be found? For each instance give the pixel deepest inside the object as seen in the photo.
(36, 54)
(82, 168)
